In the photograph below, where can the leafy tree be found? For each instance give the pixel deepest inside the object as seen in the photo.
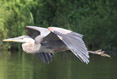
(95, 19)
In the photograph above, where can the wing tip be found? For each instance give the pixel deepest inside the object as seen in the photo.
(45, 57)
(86, 60)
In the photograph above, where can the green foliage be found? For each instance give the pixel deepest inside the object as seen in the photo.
(14, 15)
(95, 19)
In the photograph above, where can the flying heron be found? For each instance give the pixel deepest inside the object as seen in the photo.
(44, 42)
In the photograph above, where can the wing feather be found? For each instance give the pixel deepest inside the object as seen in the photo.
(45, 57)
(74, 42)
(34, 31)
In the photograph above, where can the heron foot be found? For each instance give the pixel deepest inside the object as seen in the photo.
(100, 52)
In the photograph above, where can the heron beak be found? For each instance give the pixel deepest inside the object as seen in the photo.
(9, 40)
(16, 39)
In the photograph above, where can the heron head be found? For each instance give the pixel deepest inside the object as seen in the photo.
(22, 39)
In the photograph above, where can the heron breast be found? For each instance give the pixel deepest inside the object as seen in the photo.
(30, 48)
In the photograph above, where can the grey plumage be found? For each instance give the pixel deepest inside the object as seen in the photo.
(45, 42)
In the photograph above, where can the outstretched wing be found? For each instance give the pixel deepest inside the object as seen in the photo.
(45, 57)
(34, 31)
(73, 41)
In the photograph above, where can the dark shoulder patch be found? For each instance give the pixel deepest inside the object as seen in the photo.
(32, 32)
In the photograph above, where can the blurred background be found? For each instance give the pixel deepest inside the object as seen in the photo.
(95, 19)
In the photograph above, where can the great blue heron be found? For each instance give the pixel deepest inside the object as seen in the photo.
(44, 42)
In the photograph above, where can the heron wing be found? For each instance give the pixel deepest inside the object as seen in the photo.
(50, 37)
(34, 31)
(53, 43)
(48, 42)
(45, 57)
(73, 41)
